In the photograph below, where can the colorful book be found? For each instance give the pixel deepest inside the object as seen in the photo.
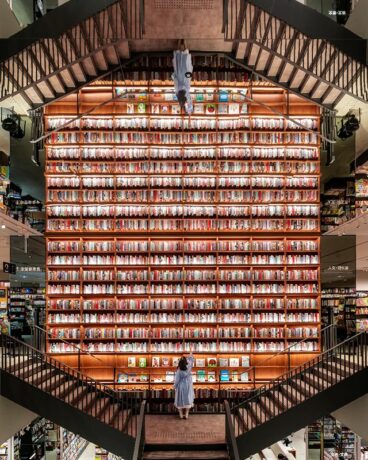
(211, 376)
(223, 362)
(210, 109)
(170, 376)
(156, 361)
(141, 107)
(142, 362)
(224, 375)
(201, 375)
(245, 361)
(244, 377)
(122, 377)
(198, 108)
(175, 109)
(234, 376)
(165, 361)
(132, 361)
(211, 362)
(234, 362)
(223, 96)
(175, 362)
(200, 362)
(233, 109)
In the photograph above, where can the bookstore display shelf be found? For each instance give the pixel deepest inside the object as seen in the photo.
(223, 280)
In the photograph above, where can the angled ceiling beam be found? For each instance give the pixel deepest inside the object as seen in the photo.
(66, 60)
(315, 25)
(54, 67)
(88, 45)
(52, 25)
(275, 45)
(42, 72)
(30, 80)
(76, 51)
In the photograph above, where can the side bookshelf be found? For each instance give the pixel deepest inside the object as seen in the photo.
(147, 258)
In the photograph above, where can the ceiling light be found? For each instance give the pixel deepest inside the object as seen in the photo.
(3, 226)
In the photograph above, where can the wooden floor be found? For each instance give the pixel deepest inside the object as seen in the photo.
(198, 429)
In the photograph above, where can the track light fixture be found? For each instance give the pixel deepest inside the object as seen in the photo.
(12, 124)
(349, 124)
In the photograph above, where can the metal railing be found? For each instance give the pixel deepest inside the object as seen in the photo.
(232, 445)
(329, 368)
(328, 339)
(39, 341)
(141, 433)
(70, 386)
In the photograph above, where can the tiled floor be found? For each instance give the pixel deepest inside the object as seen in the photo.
(198, 429)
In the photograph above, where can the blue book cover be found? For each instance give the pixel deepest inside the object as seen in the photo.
(224, 375)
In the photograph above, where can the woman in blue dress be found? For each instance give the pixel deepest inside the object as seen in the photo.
(183, 384)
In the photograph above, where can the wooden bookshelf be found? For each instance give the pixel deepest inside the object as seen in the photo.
(166, 231)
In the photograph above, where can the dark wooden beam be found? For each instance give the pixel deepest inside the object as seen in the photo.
(274, 47)
(53, 65)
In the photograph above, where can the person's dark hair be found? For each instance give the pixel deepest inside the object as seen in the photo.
(182, 98)
(183, 363)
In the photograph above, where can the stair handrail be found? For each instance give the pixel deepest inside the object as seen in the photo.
(274, 383)
(282, 352)
(230, 433)
(59, 365)
(141, 432)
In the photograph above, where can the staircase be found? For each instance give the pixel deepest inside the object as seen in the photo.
(201, 437)
(117, 420)
(333, 379)
(68, 398)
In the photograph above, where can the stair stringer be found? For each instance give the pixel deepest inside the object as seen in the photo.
(65, 415)
(299, 416)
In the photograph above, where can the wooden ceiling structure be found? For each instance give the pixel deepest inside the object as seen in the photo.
(281, 41)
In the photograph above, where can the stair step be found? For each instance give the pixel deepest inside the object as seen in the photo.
(326, 374)
(187, 455)
(110, 413)
(292, 393)
(88, 400)
(51, 383)
(305, 388)
(121, 420)
(28, 370)
(315, 381)
(63, 391)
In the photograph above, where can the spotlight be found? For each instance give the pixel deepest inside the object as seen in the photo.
(349, 124)
(11, 123)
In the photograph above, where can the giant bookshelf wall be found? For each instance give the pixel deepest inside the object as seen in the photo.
(167, 232)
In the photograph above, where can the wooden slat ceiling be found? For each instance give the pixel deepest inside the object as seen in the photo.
(315, 68)
(52, 67)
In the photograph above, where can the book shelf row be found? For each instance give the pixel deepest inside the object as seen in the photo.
(182, 137)
(270, 346)
(181, 225)
(187, 152)
(152, 121)
(181, 305)
(205, 244)
(187, 167)
(185, 275)
(183, 196)
(184, 332)
(179, 182)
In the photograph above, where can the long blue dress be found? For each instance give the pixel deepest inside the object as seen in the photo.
(183, 384)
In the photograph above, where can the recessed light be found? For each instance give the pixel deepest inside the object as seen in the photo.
(3, 226)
